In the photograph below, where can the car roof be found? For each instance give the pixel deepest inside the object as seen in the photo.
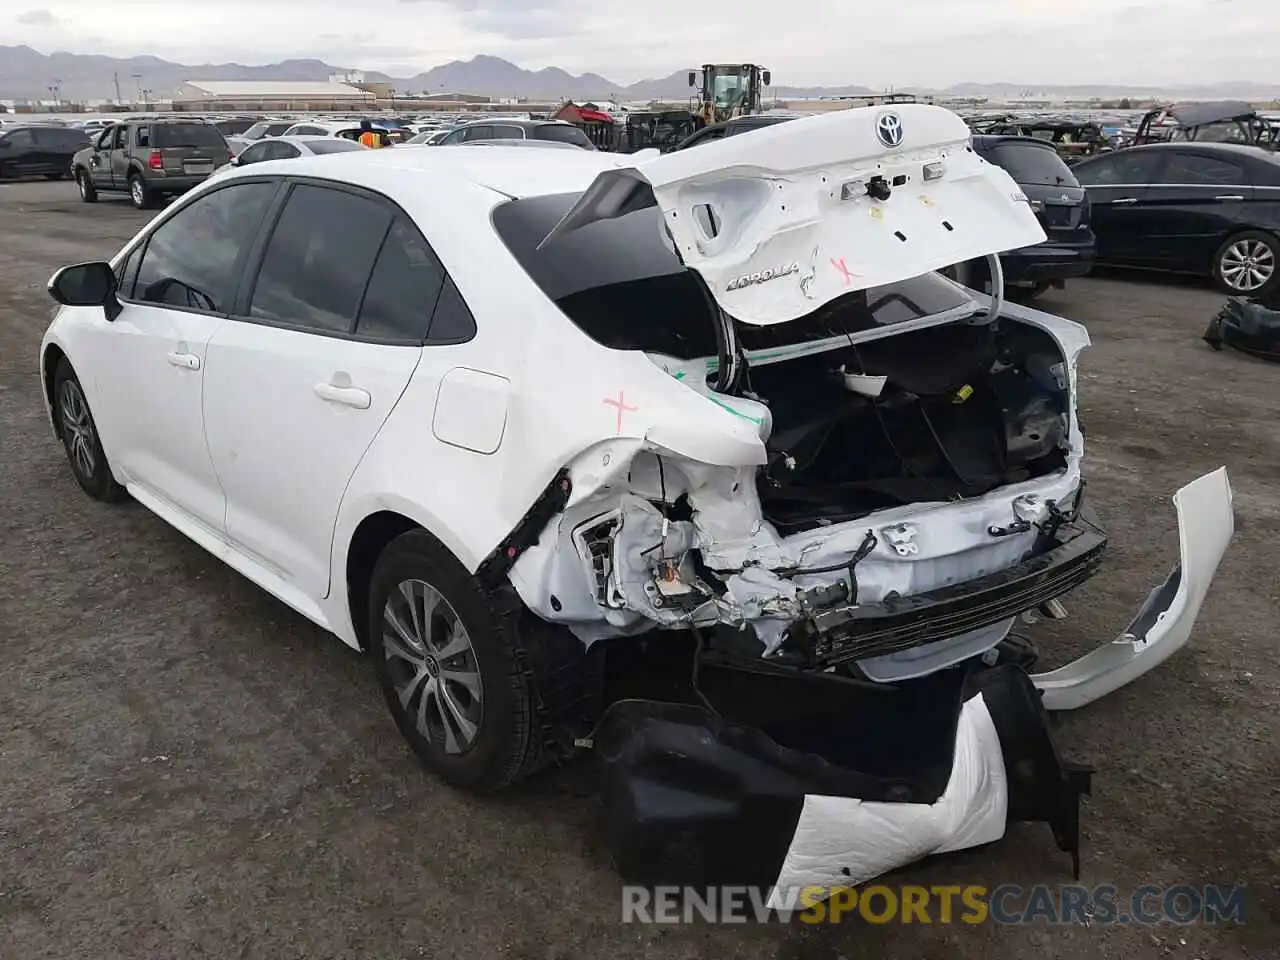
(1240, 150)
(401, 171)
(512, 123)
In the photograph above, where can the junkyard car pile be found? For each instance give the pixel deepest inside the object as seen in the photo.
(694, 459)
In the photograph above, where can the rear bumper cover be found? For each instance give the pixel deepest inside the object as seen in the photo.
(894, 774)
(1047, 262)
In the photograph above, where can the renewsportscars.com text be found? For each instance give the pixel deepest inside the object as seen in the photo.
(1180, 904)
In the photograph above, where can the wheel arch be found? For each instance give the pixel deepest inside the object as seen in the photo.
(369, 539)
(49, 362)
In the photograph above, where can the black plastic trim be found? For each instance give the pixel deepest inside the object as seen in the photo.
(552, 500)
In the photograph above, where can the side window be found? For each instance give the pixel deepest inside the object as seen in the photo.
(481, 131)
(403, 289)
(104, 141)
(452, 322)
(118, 140)
(20, 138)
(455, 137)
(193, 259)
(283, 151)
(1124, 167)
(1194, 169)
(502, 132)
(142, 137)
(319, 259)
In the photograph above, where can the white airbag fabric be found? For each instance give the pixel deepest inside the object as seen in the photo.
(867, 839)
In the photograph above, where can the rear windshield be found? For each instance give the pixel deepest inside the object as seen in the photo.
(1029, 163)
(332, 146)
(233, 128)
(621, 283)
(562, 133)
(186, 135)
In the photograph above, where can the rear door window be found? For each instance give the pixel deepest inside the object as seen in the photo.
(1032, 164)
(193, 259)
(186, 135)
(503, 132)
(1122, 168)
(562, 133)
(403, 290)
(481, 131)
(1190, 168)
(319, 259)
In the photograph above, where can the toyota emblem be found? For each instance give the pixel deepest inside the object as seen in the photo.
(889, 129)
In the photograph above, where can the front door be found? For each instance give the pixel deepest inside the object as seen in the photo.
(294, 395)
(100, 159)
(156, 349)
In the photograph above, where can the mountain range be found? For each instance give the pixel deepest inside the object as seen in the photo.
(28, 74)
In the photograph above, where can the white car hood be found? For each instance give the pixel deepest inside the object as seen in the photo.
(794, 226)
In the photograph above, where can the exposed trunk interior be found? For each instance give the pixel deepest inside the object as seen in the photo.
(964, 409)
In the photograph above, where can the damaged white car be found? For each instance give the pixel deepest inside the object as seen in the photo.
(693, 459)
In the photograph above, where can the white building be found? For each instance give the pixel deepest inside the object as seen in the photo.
(270, 95)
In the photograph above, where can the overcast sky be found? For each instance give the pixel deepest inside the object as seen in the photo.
(804, 42)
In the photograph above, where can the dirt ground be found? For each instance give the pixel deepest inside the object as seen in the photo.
(189, 769)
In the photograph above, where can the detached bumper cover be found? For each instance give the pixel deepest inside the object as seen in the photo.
(1247, 325)
(1163, 624)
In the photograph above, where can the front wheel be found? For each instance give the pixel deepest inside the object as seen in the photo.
(88, 192)
(80, 437)
(450, 660)
(1245, 265)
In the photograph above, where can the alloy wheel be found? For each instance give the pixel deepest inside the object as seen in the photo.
(433, 666)
(77, 429)
(1247, 265)
(135, 191)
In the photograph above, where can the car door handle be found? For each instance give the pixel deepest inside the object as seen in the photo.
(1231, 197)
(187, 361)
(1124, 200)
(347, 396)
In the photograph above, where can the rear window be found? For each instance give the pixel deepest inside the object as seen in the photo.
(621, 283)
(186, 135)
(1030, 163)
(333, 146)
(563, 133)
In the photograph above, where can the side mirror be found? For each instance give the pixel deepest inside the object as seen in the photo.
(693, 78)
(90, 284)
(767, 77)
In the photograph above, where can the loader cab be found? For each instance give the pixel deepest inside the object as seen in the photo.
(729, 90)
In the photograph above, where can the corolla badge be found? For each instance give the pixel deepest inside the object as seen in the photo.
(889, 129)
(762, 276)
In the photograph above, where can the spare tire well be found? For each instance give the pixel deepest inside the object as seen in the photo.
(367, 543)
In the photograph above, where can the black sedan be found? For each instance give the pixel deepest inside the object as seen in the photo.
(1211, 209)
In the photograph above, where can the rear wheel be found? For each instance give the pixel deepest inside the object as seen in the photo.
(88, 192)
(466, 686)
(140, 194)
(1246, 265)
(80, 437)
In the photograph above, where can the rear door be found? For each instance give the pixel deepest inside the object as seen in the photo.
(100, 159)
(1118, 185)
(1198, 201)
(295, 390)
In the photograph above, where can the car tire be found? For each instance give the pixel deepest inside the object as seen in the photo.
(478, 716)
(80, 440)
(1248, 264)
(140, 195)
(88, 192)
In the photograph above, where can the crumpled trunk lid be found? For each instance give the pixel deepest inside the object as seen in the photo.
(781, 221)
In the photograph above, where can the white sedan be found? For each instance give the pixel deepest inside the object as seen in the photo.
(288, 148)
(493, 415)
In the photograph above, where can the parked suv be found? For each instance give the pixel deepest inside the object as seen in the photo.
(149, 159)
(32, 151)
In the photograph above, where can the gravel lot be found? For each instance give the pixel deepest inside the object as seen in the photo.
(189, 769)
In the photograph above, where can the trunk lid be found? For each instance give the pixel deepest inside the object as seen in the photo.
(782, 220)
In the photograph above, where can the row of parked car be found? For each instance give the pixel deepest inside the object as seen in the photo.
(1203, 208)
